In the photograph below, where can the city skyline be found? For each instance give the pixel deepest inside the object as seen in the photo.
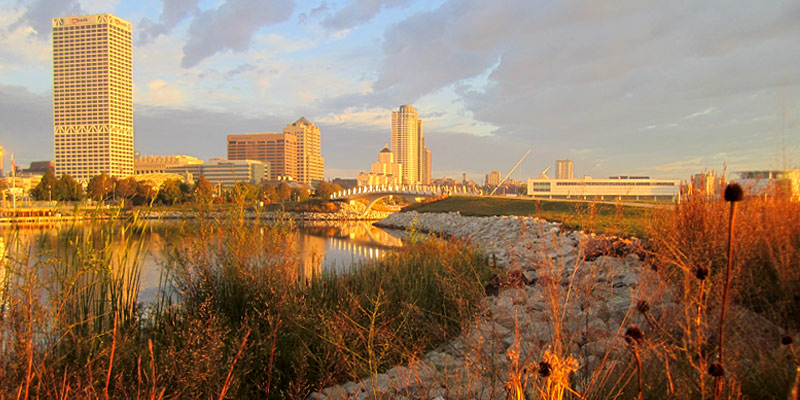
(644, 88)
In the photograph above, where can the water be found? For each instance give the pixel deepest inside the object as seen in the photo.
(324, 246)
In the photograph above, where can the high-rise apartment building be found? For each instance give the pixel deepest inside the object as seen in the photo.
(384, 172)
(92, 96)
(409, 145)
(493, 178)
(564, 169)
(310, 164)
(279, 150)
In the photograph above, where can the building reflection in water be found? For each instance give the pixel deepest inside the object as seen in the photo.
(331, 246)
(340, 246)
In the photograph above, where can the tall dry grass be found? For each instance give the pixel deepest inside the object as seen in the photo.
(235, 319)
(689, 248)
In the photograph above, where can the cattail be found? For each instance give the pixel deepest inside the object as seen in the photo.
(634, 334)
(787, 340)
(701, 273)
(642, 306)
(716, 370)
(733, 192)
(545, 369)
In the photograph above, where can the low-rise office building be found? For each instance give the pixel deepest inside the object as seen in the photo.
(159, 164)
(224, 172)
(766, 182)
(614, 188)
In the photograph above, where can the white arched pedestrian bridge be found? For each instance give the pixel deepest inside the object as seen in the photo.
(412, 193)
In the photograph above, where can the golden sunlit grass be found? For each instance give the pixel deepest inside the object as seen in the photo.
(241, 323)
(238, 321)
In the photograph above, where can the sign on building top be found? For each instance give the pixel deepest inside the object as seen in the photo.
(91, 19)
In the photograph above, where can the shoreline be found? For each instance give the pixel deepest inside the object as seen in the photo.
(515, 321)
(347, 212)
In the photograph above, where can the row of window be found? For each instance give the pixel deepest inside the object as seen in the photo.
(614, 183)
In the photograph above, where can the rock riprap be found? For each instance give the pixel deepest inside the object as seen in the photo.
(552, 314)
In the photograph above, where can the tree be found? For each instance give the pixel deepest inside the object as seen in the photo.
(67, 189)
(170, 192)
(203, 189)
(244, 192)
(268, 194)
(44, 190)
(126, 188)
(284, 191)
(324, 190)
(100, 186)
(300, 194)
(144, 193)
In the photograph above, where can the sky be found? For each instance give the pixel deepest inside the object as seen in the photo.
(664, 88)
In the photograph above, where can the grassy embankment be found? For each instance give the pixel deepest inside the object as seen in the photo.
(687, 256)
(246, 326)
(587, 216)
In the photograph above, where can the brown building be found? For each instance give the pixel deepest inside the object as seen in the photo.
(277, 149)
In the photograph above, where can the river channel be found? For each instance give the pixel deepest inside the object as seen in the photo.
(319, 246)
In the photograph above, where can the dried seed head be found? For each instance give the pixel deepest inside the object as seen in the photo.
(716, 370)
(633, 334)
(787, 340)
(545, 369)
(733, 192)
(643, 306)
(701, 273)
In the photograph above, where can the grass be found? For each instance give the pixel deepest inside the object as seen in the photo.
(248, 325)
(245, 324)
(586, 216)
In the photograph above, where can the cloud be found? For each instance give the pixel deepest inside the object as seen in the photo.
(172, 13)
(159, 92)
(39, 14)
(231, 27)
(373, 117)
(315, 12)
(27, 128)
(358, 12)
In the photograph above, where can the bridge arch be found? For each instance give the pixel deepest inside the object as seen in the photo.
(412, 193)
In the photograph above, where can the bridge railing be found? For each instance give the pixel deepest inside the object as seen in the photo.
(419, 190)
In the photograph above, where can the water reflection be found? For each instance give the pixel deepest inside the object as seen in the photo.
(338, 246)
(319, 246)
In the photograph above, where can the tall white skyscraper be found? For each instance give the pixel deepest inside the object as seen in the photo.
(409, 145)
(92, 96)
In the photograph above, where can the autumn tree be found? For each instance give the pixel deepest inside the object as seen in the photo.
(203, 189)
(324, 190)
(100, 187)
(300, 194)
(170, 192)
(284, 191)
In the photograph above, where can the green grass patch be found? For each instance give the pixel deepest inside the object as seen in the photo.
(614, 219)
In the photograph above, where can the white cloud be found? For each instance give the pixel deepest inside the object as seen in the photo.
(161, 93)
(367, 117)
